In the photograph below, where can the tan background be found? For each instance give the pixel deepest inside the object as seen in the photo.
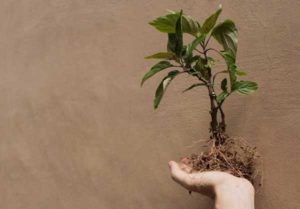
(78, 132)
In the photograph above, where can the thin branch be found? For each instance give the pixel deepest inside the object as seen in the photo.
(215, 75)
(212, 49)
(207, 41)
(198, 51)
(199, 77)
(204, 81)
(202, 45)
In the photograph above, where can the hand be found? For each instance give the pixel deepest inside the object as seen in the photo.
(229, 192)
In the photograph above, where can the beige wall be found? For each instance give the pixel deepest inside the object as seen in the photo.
(78, 132)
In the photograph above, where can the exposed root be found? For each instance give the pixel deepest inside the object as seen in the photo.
(234, 156)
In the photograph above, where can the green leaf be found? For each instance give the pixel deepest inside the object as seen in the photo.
(226, 34)
(175, 40)
(210, 22)
(172, 43)
(230, 61)
(155, 69)
(161, 55)
(224, 84)
(245, 87)
(189, 25)
(232, 74)
(195, 58)
(240, 72)
(179, 36)
(193, 72)
(188, 57)
(167, 24)
(221, 97)
(210, 62)
(200, 67)
(162, 87)
(229, 57)
(193, 86)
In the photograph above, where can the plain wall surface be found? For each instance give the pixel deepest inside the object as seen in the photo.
(77, 131)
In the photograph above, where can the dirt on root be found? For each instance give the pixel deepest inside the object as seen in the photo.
(234, 156)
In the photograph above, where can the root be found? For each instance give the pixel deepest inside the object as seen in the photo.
(234, 156)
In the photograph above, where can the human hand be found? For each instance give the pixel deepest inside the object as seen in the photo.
(229, 192)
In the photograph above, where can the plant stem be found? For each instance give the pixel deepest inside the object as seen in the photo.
(213, 113)
(222, 124)
(216, 129)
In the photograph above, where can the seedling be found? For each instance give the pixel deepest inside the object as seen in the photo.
(197, 59)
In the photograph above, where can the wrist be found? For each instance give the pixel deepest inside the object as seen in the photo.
(234, 203)
(240, 196)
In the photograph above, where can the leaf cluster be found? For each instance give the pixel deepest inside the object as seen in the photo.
(194, 58)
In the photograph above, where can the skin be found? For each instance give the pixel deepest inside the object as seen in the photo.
(228, 191)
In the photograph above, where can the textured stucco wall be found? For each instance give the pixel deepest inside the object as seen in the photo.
(78, 132)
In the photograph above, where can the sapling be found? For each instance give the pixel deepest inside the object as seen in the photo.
(197, 59)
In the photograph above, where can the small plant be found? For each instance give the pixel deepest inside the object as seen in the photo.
(195, 59)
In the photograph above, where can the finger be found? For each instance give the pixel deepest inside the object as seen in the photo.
(179, 175)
